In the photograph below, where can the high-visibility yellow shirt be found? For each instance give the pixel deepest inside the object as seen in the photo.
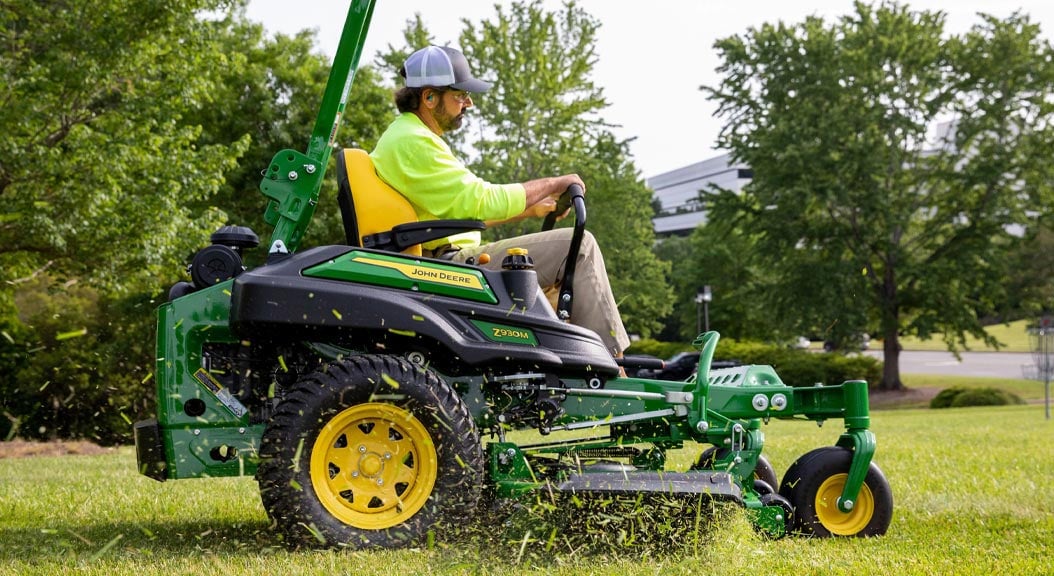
(419, 164)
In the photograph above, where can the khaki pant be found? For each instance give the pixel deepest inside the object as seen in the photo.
(594, 305)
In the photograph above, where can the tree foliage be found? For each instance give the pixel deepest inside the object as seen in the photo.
(98, 166)
(543, 118)
(271, 93)
(720, 257)
(860, 216)
(1030, 286)
(104, 182)
(415, 36)
(130, 131)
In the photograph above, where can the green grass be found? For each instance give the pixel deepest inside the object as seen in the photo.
(1028, 390)
(971, 488)
(1012, 336)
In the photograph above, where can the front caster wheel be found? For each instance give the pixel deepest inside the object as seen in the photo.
(372, 451)
(813, 485)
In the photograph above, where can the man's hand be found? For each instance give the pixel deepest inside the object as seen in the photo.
(543, 193)
(568, 180)
(543, 207)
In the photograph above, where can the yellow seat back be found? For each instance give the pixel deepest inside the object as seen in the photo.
(367, 204)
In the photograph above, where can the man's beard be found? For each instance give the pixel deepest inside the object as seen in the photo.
(448, 122)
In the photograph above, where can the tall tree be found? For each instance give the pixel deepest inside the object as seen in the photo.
(124, 125)
(719, 255)
(544, 117)
(415, 37)
(99, 174)
(859, 216)
(271, 92)
(97, 165)
(1031, 281)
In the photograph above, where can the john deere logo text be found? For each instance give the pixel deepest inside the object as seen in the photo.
(435, 275)
(444, 277)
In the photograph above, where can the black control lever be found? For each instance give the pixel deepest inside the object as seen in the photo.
(575, 196)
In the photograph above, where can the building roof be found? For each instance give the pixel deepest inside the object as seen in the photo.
(678, 192)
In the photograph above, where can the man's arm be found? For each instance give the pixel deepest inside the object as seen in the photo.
(542, 195)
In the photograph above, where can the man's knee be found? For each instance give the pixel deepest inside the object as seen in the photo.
(589, 249)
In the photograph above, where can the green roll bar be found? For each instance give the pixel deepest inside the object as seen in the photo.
(293, 180)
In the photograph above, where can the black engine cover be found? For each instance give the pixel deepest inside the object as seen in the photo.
(277, 302)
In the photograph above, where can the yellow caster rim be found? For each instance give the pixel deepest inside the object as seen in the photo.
(838, 522)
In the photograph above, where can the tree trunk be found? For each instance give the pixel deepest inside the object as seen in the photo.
(891, 330)
(891, 361)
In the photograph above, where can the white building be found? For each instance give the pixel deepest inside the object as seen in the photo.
(678, 191)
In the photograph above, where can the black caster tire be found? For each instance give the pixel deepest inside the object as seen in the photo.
(813, 485)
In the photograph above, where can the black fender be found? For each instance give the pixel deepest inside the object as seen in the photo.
(278, 303)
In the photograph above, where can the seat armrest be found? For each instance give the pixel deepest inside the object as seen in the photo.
(409, 234)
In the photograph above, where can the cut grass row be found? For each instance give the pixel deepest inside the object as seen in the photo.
(971, 490)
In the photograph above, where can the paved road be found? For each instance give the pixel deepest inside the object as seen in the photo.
(983, 364)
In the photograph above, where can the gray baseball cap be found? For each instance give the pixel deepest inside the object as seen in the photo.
(441, 66)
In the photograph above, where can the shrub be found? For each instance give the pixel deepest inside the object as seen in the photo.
(963, 397)
(857, 367)
(649, 347)
(944, 398)
(985, 397)
(800, 368)
(83, 362)
(795, 367)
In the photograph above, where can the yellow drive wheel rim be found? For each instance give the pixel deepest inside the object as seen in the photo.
(838, 522)
(373, 466)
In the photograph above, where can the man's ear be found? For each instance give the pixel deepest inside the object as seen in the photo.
(429, 97)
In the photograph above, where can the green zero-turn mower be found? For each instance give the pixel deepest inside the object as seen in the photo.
(354, 382)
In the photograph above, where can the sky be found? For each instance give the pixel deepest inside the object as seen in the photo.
(652, 56)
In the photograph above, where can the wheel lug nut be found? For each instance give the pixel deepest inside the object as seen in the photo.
(362, 449)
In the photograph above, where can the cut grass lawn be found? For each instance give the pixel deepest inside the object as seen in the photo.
(971, 489)
(923, 387)
(1012, 336)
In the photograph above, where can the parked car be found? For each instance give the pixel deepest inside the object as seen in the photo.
(682, 365)
(863, 343)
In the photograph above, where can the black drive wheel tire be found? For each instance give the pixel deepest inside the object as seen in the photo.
(370, 451)
(763, 471)
(815, 481)
(763, 488)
